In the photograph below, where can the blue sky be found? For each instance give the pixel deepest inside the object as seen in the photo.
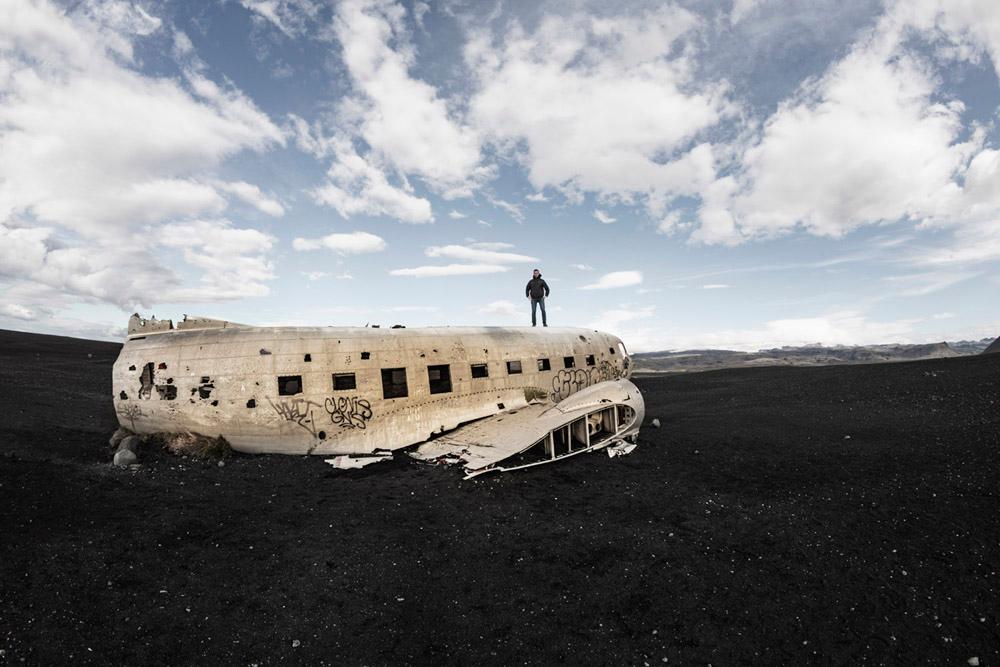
(695, 174)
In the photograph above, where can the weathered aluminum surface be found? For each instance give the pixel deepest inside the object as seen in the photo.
(221, 379)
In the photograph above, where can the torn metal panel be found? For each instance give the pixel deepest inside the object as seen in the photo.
(604, 414)
(350, 462)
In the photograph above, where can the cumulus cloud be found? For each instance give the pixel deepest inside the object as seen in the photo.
(234, 261)
(407, 126)
(356, 186)
(251, 194)
(616, 279)
(505, 308)
(17, 311)
(449, 270)
(289, 16)
(598, 104)
(603, 217)
(353, 243)
(97, 157)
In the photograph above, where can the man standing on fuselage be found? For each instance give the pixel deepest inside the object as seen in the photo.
(536, 290)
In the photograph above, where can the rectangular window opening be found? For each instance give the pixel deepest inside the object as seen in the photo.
(569, 362)
(394, 383)
(513, 367)
(611, 350)
(439, 379)
(289, 385)
(544, 365)
(590, 360)
(480, 371)
(343, 381)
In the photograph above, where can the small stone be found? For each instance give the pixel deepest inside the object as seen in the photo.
(847, 437)
(655, 423)
(118, 436)
(973, 661)
(125, 457)
(131, 443)
(222, 464)
(296, 643)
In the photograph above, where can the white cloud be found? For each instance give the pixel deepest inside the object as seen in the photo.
(315, 275)
(616, 279)
(252, 195)
(478, 254)
(17, 311)
(603, 217)
(407, 126)
(537, 197)
(456, 215)
(234, 262)
(352, 243)
(715, 286)
(556, 98)
(483, 223)
(97, 157)
(582, 267)
(491, 245)
(505, 308)
(289, 16)
(864, 144)
(354, 186)
(449, 270)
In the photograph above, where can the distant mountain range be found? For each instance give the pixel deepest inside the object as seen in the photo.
(688, 361)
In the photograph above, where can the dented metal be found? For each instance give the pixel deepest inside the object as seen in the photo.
(359, 392)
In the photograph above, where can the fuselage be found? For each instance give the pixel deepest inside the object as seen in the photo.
(347, 390)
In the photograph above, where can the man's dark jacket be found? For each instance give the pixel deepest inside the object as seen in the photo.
(536, 288)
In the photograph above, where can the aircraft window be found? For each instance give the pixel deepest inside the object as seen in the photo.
(439, 378)
(590, 360)
(342, 381)
(611, 350)
(394, 383)
(544, 365)
(480, 370)
(513, 367)
(289, 385)
(569, 362)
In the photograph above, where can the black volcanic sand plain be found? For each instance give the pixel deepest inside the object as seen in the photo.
(839, 515)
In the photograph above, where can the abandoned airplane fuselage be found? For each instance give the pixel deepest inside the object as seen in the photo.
(539, 394)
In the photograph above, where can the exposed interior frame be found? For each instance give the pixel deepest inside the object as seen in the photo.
(590, 432)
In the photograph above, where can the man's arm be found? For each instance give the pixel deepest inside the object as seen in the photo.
(546, 286)
(527, 289)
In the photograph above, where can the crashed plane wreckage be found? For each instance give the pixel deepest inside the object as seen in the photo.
(493, 399)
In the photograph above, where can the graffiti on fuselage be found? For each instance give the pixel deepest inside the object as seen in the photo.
(349, 411)
(571, 380)
(298, 411)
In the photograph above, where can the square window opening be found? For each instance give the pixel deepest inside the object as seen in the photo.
(590, 360)
(544, 365)
(513, 367)
(480, 371)
(343, 381)
(439, 379)
(569, 362)
(289, 385)
(394, 383)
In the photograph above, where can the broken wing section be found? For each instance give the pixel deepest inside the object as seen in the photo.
(600, 415)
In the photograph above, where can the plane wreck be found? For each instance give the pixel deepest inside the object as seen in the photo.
(489, 398)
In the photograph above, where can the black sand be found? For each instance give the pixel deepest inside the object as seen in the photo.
(835, 515)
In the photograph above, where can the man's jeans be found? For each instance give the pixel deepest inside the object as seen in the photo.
(534, 304)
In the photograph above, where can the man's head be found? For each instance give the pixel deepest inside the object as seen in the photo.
(536, 273)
